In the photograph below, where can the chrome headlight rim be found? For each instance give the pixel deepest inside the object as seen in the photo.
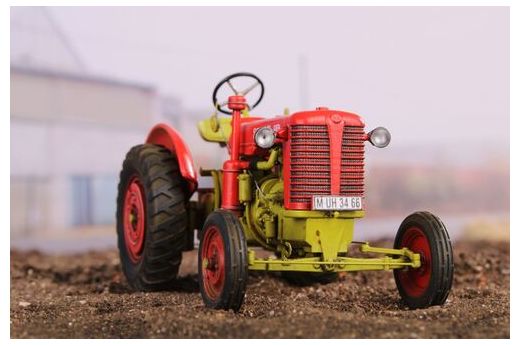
(379, 137)
(265, 137)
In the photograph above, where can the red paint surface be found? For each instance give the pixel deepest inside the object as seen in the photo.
(134, 219)
(415, 281)
(213, 252)
(323, 155)
(166, 136)
(325, 158)
(232, 167)
(230, 171)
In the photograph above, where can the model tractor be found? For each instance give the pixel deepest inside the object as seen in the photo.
(293, 185)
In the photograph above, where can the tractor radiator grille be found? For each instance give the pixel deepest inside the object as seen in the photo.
(310, 167)
(352, 161)
(310, 162)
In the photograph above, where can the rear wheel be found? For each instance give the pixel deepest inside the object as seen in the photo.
(309, 278)
(223, 261)
(151, 217)
(430, 284)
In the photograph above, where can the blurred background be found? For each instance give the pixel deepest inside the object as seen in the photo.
(88, 83)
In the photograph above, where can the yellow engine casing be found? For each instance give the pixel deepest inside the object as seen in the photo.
(295, 233)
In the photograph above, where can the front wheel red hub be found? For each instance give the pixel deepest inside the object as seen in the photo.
(213, 262)
(134, 219)
(415, 281)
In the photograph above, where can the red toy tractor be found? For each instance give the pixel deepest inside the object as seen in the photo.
(293, 185)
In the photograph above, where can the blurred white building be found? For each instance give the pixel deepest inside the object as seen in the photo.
(69, 135)
(70, 131)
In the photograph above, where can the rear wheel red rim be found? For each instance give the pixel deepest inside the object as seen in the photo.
(415, 282)
(213, 262)
(134, 219)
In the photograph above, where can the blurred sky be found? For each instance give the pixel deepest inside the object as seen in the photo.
(432, 74)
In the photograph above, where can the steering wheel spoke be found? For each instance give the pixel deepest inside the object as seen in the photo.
(232, 87)
(248, 90)
(227, 80)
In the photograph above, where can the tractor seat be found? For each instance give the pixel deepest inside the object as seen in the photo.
(218, 129)
(215, 129)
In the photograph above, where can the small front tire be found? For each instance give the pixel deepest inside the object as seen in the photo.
(223, 268)
(430, 284)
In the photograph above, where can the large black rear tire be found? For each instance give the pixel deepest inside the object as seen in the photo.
(430, 284)
(151, 217)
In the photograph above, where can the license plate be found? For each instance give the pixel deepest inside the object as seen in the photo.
(336, 203)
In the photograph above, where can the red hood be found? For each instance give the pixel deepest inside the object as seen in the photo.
(320, 116)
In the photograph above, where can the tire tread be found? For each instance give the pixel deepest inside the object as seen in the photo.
(166, 217)
(234, 289)
(442, 259)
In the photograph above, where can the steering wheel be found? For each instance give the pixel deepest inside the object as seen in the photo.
(227, 81)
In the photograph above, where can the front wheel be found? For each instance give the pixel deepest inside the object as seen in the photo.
(430, 284)
(223, 261)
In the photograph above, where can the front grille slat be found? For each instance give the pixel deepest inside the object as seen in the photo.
(352, 157)
(309, 163)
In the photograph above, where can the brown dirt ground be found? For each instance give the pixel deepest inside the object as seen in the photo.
(85, 296)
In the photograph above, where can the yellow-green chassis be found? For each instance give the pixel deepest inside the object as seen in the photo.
(319, 240)
(307, 240)
(340, 264)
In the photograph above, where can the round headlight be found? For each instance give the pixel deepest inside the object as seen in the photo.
(379, 137)
(264, 137)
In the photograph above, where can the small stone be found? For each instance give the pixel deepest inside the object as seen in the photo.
(271, 313)
(24, 304)
(478, 269)
(83, 302)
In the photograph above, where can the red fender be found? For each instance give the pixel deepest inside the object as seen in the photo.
(168, 137)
